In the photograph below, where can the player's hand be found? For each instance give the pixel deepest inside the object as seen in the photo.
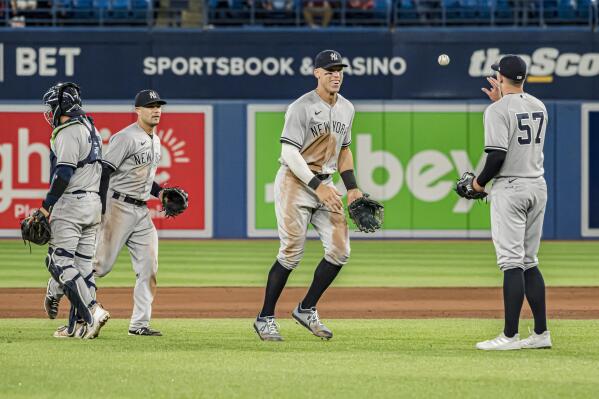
(329, 196)
(44, 212)
(495, 92)
(353, 195)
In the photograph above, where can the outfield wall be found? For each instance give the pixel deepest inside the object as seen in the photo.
(277, 63)
(408, 154)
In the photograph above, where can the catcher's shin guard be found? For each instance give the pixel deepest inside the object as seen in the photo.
(67, 275)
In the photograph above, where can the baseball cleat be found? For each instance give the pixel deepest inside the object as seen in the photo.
(63, 331)
(100, 317)
(267, 329)
(51, 301)
(309, 318)
(537, 341)
(501, 343)
(145, 331)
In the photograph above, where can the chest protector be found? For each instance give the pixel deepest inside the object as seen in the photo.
(95, 153)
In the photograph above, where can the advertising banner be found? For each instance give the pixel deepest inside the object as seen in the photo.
(590, 170)
(186, 161)
(383, 65)
(407, 156)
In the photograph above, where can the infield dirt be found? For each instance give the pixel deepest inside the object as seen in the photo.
(349, 303)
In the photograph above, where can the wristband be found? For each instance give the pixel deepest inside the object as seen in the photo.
(349, 179)
(314, 183)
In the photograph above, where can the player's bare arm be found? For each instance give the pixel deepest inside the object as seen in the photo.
(346, 170)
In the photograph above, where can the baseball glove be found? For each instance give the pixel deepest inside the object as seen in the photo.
(465, 189)
(36, 228)
(367, 214)
(174, 201)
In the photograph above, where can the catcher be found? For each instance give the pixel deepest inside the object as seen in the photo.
(74, 206)
(129, 167)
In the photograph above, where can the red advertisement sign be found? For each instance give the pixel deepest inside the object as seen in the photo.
(186, 161)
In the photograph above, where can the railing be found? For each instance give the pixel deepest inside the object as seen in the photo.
(296, 13)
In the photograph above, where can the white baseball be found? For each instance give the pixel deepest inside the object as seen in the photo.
(443, 59)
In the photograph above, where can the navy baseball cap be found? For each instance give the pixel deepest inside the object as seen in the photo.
(146, 97)
(512, 67)
(328, 59)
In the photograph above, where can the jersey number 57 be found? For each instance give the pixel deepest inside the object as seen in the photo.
(524, 126)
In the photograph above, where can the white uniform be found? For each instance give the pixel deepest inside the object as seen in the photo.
(135, 156)
(517, 124)
(319, 131)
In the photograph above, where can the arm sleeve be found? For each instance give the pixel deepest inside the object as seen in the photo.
(294, 130)
(496, 130)
(156, 189)
(60, 182)
(294, 160)
(347, 138)
(66, 147)
(118, 150)
(492, 167)
(104, 182)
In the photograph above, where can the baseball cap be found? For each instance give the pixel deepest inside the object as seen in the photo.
(146, 97)
(511, 66)
(328, 59)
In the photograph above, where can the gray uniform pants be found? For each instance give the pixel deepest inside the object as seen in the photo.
(297, 206)
(517, 212)
(74, 223)
(131, 225)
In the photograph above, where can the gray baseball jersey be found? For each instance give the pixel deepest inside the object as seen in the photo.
(318, 130)
(517, 124)
(135, 157)
(71, 145)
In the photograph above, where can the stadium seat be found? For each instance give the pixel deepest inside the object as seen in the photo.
(119, 9)
(101, 4)
(406, 11)
(84, 9)
(565, 9)
(120, 4)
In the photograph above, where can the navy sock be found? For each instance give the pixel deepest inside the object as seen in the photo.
(513, 297)
(535, 295)
(324, 275)
(277, 278)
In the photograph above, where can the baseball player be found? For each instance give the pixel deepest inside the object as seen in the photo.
(315, 143)
(129, 167)
(74, 208)
(515, 126)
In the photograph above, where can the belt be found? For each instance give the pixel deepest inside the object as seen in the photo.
(77, 192)
(320, 176)
(127, 199)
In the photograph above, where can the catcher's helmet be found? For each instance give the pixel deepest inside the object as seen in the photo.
(62, 99)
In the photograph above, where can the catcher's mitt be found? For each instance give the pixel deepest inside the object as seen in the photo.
(174, 201)
(367, 214)
(36, 228)
(465, 189)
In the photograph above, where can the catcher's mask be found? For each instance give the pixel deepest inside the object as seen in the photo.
(62, 99)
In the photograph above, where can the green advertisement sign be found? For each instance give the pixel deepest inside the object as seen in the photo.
(407, 156)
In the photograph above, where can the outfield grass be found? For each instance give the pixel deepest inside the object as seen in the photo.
(373, 264)
(225, 359)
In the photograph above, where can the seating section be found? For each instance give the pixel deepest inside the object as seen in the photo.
(196, 13)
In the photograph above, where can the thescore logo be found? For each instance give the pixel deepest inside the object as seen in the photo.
(543, 62)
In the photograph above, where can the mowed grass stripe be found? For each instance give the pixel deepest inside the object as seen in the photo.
(366, 358)
(373, 263)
